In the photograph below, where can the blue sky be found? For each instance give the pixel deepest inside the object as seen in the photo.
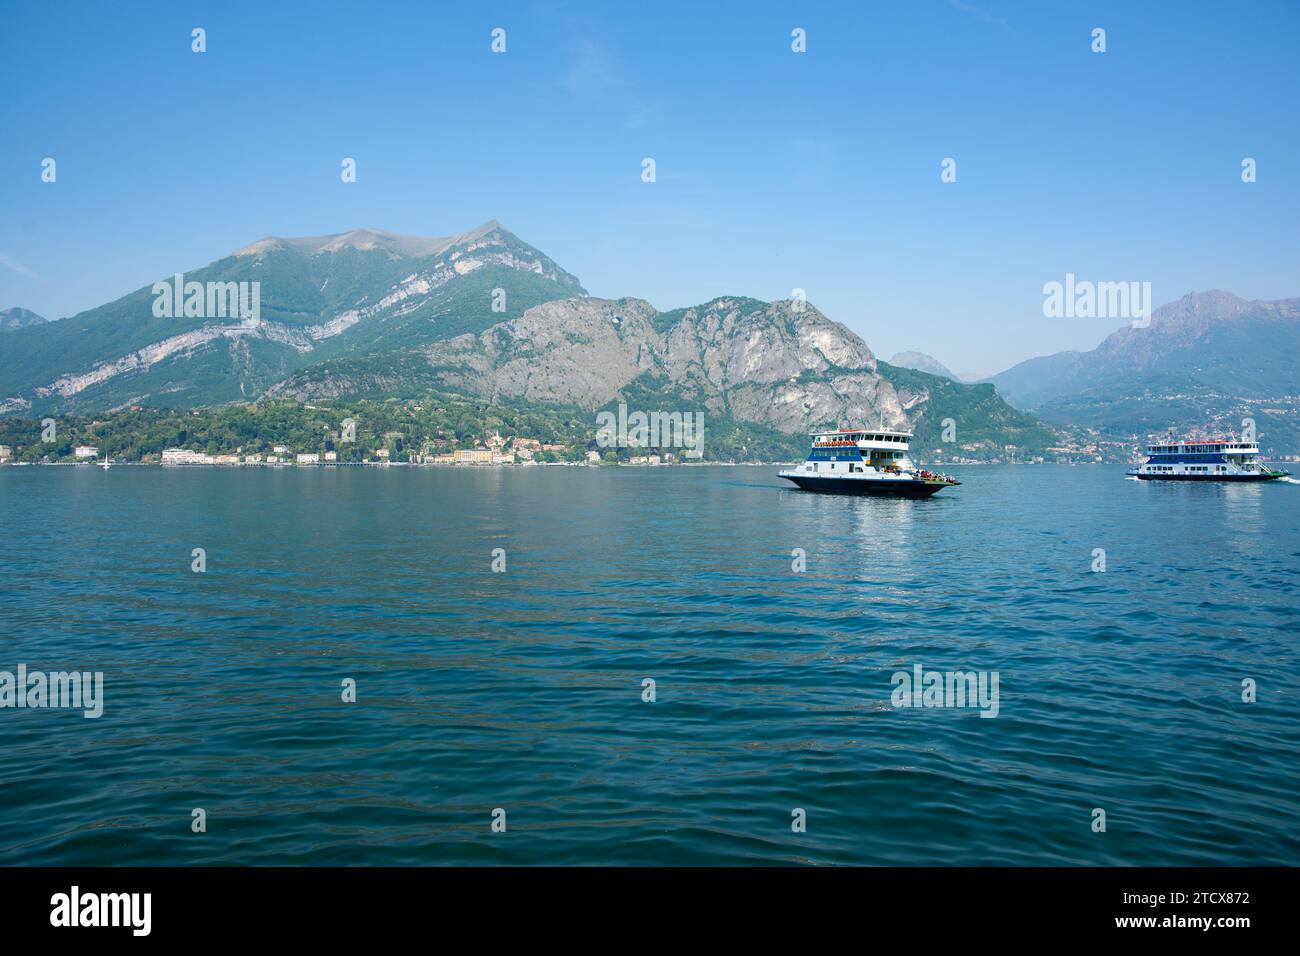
(775, 170)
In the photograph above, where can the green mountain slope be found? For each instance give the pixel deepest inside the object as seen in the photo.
(983, 425)
(334, 295)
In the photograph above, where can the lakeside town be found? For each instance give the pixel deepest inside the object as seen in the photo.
(499, 451)
(450, 432)
(494, 450)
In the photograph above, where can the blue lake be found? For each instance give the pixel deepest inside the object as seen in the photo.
(523, 690)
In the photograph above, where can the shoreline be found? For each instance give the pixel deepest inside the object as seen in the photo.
(520, 465)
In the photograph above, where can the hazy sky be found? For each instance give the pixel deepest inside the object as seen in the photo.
(775, 169)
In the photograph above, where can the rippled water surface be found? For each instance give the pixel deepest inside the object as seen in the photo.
(522, 690)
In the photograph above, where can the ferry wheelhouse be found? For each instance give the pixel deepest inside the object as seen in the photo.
(866, 461)
(1205, 459)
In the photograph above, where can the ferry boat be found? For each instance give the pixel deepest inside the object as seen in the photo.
(1205, 459)
(866, 461)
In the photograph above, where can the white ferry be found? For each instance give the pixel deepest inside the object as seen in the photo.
(1205, 459)
(867, 461)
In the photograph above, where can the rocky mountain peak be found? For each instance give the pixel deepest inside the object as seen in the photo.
(922, 362)
(780, 363)
(18, 318)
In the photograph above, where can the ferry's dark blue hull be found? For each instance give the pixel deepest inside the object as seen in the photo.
(1271, 477)
(884, 487)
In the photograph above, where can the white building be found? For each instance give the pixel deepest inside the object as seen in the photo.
(308, 458)
(6, 452)
(85, 451)
(183, 456)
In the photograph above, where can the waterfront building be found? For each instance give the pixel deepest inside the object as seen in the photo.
(183, 456)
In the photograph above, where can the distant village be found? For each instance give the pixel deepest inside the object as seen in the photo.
(495, 450)
(1082, 447)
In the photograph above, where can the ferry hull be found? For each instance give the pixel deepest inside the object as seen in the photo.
(882, 487)
(1272, 477)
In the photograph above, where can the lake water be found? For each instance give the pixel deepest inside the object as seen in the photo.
(1119, 690)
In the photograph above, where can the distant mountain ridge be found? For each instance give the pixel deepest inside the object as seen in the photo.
(368, 240)
(1206, 361)
(16, 318)
(923, 363)
(1193, 327)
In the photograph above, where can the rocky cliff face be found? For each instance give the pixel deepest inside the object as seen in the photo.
(778, 364)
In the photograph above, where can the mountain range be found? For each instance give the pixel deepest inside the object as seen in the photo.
(374, 315)
(1206, 362)
(484, 316)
